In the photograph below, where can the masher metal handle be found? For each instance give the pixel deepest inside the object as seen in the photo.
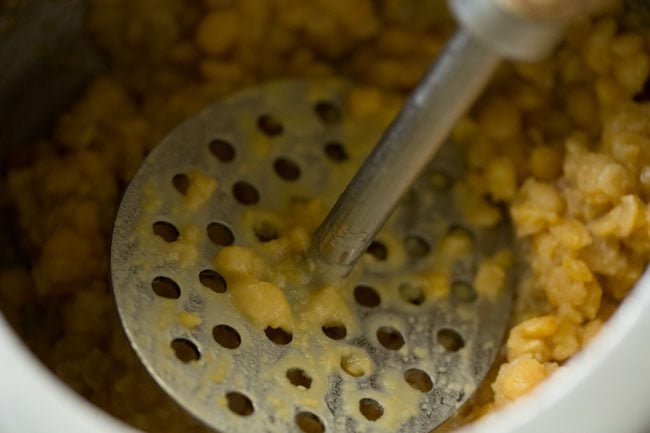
(421, 127)
(491, 29)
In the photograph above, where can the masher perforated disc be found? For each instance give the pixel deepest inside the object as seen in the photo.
(218, 219)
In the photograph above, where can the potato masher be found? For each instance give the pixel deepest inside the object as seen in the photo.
(250, 172)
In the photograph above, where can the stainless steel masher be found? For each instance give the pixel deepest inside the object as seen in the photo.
(236, 173)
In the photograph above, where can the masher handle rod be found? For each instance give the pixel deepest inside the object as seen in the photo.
(444, 94)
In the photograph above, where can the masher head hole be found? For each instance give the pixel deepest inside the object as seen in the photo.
(418, 379)
(185, 350)
(213, 280)
(299, 378)
(336, 152)
(335, 332)
(278, 335)
(222, 150)
(239, 404)
(307, 422)
(226, 336)
(371, 409)
(236, 179)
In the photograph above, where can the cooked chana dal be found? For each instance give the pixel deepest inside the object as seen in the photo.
(564, 144)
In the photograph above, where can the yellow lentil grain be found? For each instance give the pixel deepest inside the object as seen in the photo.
(536, 206)
(627, 44)
(501, 178)
(222, 71)
(609, 91)
(189, 320)
(489, 280)
(517, 378)
(217, 32)
(200, 189)
(500, 120)
(622, 220)
(633, 72)
(545, 162)
(529, 337)
(582, 106)
(572, 234)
